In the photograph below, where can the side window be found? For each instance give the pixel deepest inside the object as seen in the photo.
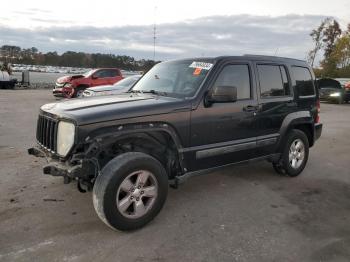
(112, 73)
(304, 83)
(238, 76)
(101, 73)
(273, 81)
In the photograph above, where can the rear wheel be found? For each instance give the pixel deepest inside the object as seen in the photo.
(294, 155)
(131, 191)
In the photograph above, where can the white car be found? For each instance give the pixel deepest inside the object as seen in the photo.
(6, 81)
(120, 87)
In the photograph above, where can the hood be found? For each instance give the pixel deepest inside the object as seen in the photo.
(65, 79)
(107, 108)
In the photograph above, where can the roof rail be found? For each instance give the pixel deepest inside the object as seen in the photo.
(270, 56)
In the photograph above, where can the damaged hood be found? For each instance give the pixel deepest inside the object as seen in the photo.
(65, 79)
(107, 108)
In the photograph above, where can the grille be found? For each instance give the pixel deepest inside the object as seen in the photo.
(46, 133)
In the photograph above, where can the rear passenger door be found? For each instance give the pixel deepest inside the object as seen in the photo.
(112, 76)
(276, 101)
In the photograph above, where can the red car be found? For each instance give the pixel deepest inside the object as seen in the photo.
(74, 86)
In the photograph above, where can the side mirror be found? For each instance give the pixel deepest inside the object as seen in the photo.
(94, 77)
(221, 94)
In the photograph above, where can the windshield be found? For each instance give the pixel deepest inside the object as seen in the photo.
(88, 73)
(129, 81)
(328, 83)
(176, 78)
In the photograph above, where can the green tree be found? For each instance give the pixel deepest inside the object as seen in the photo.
(331, 33)
(317, 36)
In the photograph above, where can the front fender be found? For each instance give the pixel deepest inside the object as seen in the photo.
(128, 129)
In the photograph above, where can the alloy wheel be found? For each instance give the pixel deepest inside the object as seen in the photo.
(137, 194)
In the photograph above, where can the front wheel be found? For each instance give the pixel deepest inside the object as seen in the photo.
(131, 191)
(78, 93)
(294, 155)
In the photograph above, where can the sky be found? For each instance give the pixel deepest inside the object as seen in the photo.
(184, 28)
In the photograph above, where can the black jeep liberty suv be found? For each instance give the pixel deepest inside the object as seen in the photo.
(182, 118)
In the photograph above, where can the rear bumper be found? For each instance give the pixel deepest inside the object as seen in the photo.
(318, 131)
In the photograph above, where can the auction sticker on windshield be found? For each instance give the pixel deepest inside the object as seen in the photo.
(201, 65)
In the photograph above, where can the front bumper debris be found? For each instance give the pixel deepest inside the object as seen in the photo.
(34, 151)
(82, 168)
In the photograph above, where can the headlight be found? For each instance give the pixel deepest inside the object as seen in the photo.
(67, 85)
(65, 137)
(335, 94)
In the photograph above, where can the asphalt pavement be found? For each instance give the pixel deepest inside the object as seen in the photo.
(241, 213)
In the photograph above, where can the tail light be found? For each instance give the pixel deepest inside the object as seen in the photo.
(318, 106)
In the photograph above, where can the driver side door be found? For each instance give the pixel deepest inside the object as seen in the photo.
(100, 77)
(224, 133)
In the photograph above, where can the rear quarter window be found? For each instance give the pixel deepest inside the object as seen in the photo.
(304, 84)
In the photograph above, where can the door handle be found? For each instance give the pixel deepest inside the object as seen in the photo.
(250, 108)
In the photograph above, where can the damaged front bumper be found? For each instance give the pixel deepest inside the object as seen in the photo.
(83, 170)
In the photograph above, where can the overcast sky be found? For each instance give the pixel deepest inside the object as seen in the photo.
(184, 28)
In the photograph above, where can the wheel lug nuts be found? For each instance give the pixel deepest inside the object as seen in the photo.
(142, 192)
(139, 187)
(137, 199)
(131, 197)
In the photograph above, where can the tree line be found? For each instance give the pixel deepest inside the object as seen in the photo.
(32, 56)
(334, 43)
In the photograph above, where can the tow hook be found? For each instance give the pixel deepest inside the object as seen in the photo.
(84, 186)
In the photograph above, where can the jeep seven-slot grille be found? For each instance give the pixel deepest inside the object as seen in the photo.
(46, 133)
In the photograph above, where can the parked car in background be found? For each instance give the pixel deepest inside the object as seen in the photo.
(74, 86)
(332, 90)
(5, 80)
(345, 83)
(120, 87)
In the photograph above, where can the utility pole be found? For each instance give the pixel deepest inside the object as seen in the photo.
(154, 34)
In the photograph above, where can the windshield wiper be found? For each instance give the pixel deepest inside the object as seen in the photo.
(135, 91)
(160, 93)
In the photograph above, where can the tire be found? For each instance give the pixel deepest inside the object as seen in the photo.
(287, 165)
(78, 93)
(109, 193)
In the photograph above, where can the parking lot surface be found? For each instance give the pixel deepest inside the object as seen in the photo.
(241, 213)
